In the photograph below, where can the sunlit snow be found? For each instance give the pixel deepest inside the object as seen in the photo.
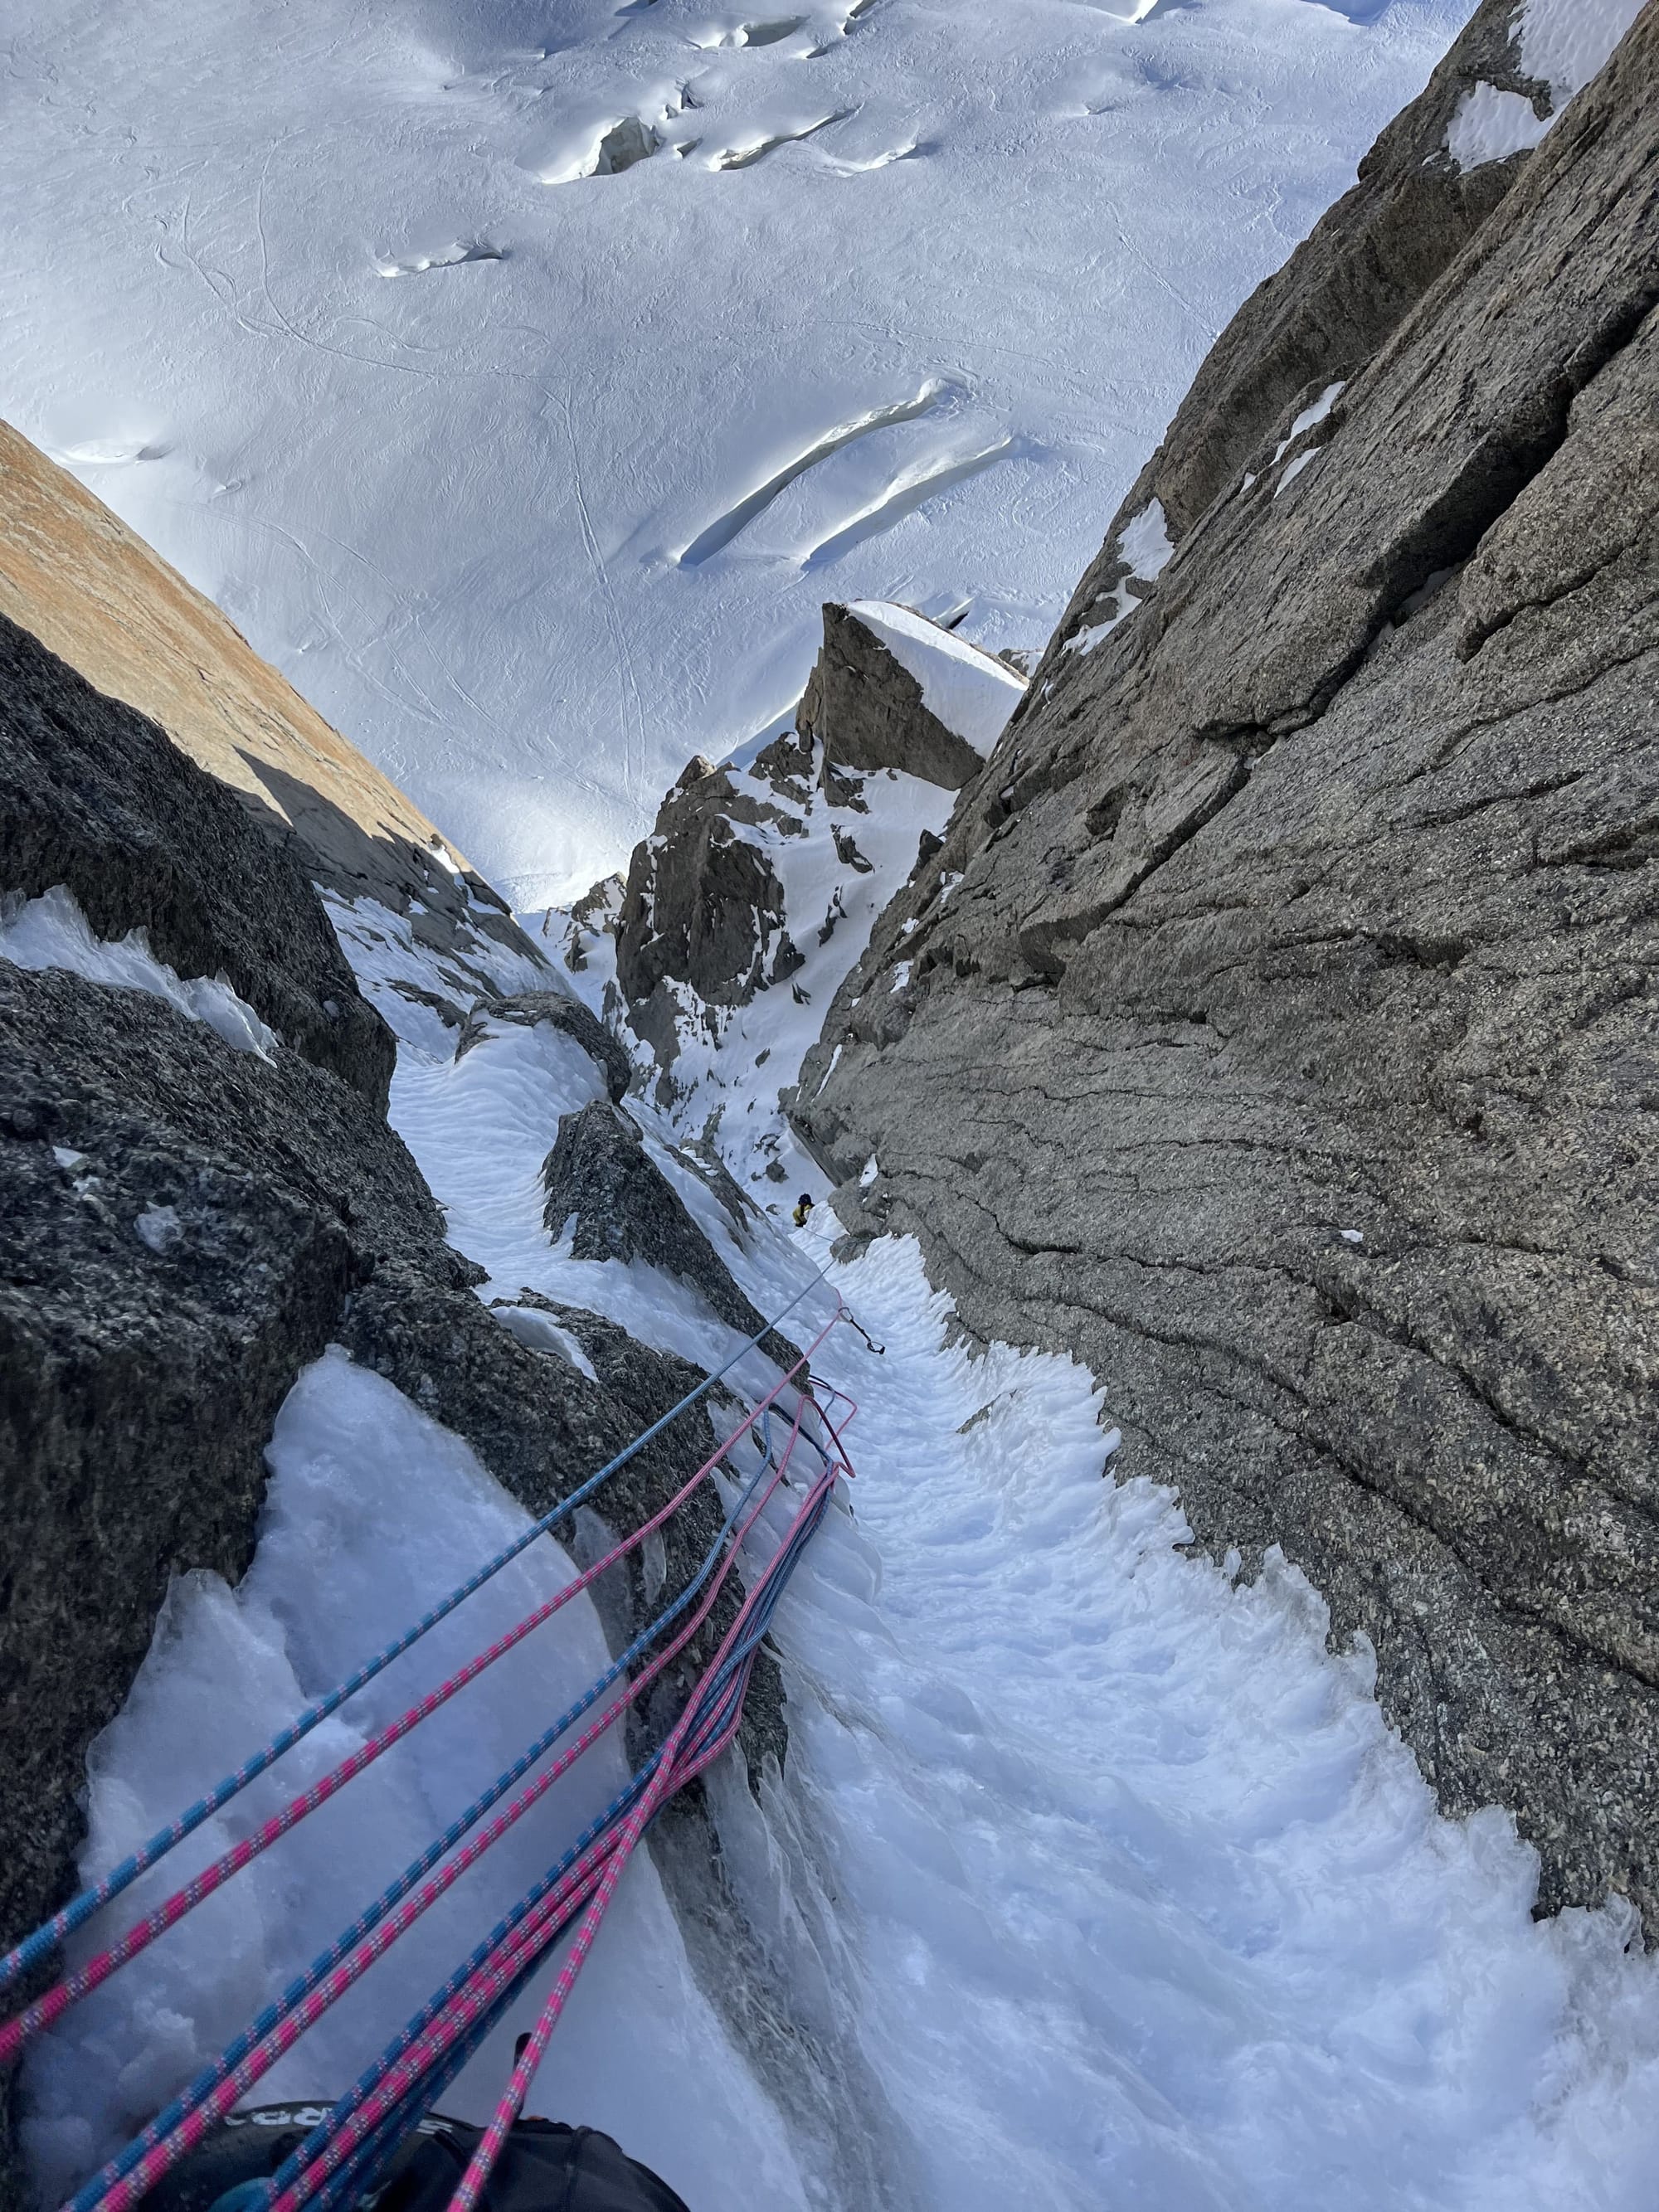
(892, 304)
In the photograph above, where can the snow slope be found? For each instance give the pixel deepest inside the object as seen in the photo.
(533, 479)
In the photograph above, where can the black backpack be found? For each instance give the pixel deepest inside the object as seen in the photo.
(544, 2166)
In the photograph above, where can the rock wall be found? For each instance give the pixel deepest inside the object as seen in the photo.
(1280, 1032)
(75, 577)
(191, 1209)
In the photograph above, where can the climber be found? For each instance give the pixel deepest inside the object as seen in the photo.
(543, 2167)
(803, 1209)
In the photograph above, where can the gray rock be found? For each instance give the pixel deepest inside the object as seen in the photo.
(94, 797)
(1288, 1046)
(703, 906)
(865, 710)
(185, 1226)
(603, 1188)
(524, 1009)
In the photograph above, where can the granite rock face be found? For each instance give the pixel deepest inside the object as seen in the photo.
(184, 1226)
(703, 907)
(144, 839)
(704, 920)
(866, 711)
(1279, 1030)
(605, 1190)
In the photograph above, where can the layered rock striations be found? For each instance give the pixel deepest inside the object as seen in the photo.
(1277, 1027)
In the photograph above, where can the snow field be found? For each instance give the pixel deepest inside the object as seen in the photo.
(534, 480)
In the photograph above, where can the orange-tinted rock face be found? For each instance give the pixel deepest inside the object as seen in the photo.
(92, 592)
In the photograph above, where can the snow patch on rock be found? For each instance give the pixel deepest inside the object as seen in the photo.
(53, 932)
(970, 690)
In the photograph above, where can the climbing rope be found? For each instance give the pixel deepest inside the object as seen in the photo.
(49, 1934)
(341, 2158)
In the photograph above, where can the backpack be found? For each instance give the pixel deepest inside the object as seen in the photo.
(543, 2167)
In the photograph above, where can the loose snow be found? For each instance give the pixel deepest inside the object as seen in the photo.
(1092, 1876)
(51, 931)
(916, 355)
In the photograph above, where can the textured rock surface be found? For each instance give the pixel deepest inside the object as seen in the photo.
(1288, 1045)
(184, 1226)
(74, 576)
(866, 711)
(703, 907)
(605, 1191)
(92, 797)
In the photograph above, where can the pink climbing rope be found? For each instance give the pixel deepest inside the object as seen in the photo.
(50, 2007)
(663, 1784)
(126, 2191)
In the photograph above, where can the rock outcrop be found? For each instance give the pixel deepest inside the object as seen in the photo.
(866, 710)
(756, 889)
(613, 1201)
(1277, 1027)
(75, 577)
(199, 1191)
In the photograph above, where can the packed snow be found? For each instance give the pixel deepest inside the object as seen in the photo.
(1144, 544)
(1491, 125)
(1567, 42)
(522, 380)
(370, 1515)
(1093, 1877)
(1562, 43)
(53, 932)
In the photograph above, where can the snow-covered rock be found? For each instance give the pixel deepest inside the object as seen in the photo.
(757, 890)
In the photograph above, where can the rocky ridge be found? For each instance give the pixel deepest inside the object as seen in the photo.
(740, 914)
(200, 1190)
(1276, 1027)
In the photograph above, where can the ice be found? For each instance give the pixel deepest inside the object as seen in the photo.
(372, 1512)
(324, 304)
(51, 931)
(970, 690)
